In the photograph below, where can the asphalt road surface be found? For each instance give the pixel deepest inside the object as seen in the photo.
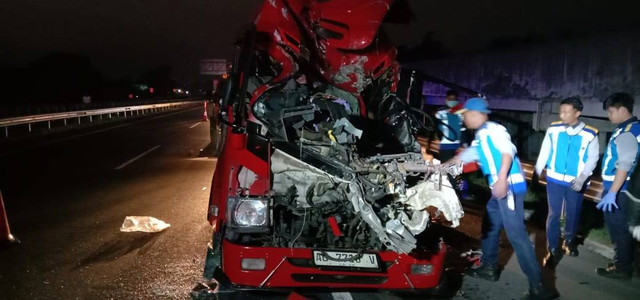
(68, 193)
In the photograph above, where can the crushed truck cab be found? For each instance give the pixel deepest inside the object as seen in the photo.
(320, 181)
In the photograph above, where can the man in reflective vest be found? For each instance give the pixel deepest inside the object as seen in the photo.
(451, 126)
(633, 213)
(570, 152)
(493, 150)
(620, 159)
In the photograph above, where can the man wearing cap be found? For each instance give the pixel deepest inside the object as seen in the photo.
(570, 152)
(620, 159)
(493, 150)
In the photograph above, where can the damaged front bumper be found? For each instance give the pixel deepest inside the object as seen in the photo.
(294, 268)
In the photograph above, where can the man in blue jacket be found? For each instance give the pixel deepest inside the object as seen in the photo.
(569, 152)
(620, 159)
(493, 150)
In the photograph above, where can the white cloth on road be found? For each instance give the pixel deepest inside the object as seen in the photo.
(143, 224)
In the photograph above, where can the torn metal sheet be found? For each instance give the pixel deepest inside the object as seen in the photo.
(438, 194)
(404, 215)
(357, 70)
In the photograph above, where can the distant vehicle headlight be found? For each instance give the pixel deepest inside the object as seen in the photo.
(249, 214)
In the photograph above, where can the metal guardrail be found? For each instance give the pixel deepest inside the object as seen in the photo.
(593, 191)
(19, 110)
(131, 110)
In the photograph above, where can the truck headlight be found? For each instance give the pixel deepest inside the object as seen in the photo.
(249, 214)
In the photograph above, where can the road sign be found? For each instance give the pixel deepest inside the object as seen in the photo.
(213, 66)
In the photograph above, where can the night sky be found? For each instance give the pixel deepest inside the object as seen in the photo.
(123, 38)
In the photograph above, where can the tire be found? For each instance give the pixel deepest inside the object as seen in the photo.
(218, 136)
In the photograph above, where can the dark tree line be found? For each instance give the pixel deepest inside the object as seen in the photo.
(67, 78)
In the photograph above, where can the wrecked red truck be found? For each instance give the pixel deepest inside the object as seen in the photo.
(321, 181)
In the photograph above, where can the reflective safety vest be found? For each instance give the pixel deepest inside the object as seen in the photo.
(569, 153)
(611, 154)
(453, 129)
(490, 158)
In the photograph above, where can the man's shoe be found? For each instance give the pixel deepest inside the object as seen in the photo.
(571, 248)
(540, 293)
(553, 258)
(486, 272)
(612, 272)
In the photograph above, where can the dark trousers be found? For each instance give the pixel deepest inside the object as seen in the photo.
(623, 242)
(557, 194)
(499, 216)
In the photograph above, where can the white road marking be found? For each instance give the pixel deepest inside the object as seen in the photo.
(203, 158)
(341, 296)
(196, 124)
(136, 158)
(93, 132)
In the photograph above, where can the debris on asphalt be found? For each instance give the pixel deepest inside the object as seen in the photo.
(474, 257)
(143, 224)
(204, 290)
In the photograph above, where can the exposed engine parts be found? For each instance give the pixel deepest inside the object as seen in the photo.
(369, 200)
(329, 191)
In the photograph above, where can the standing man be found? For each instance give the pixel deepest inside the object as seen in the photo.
(493, 149)
(450, 125)
(633, 212)
(570, 153)
(620, 158)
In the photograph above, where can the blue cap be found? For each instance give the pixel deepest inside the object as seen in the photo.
(477, 104)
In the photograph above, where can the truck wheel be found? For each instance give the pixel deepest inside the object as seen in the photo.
(218, 135)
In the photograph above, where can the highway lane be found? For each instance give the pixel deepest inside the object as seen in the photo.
(67, 200)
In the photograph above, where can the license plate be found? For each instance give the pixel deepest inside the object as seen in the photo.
(345, 259)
